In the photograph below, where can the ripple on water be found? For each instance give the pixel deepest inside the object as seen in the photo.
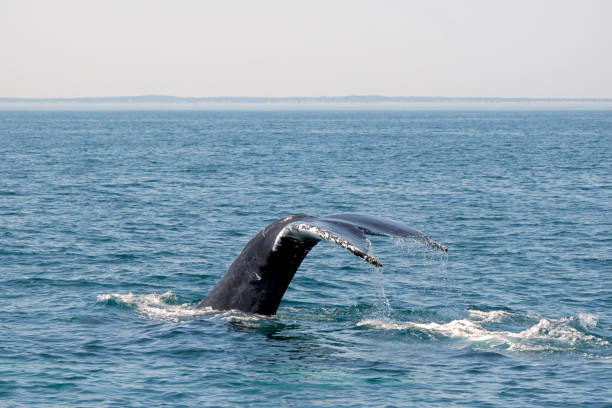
(103, 213)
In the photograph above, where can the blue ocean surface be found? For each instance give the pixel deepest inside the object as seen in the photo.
(114, 225)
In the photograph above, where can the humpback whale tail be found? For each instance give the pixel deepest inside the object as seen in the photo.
(257, 280)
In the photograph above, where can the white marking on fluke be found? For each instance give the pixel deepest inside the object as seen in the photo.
(301, 231)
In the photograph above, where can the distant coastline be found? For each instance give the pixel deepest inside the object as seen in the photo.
(297, 102)
(299, 99)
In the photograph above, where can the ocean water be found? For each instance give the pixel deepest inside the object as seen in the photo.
(114, 225)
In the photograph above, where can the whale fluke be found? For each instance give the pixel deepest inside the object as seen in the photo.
(380, 226)
(257, 280)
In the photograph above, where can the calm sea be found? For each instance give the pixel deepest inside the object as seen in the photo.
(114, 225)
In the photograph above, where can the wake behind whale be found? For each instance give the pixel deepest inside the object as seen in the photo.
(257, 280)
(485, 330)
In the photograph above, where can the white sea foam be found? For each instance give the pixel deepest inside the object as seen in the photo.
(545, 335)
(588, 321)
(154, 306)
(492, 316)
(166, 307)
(239, 317)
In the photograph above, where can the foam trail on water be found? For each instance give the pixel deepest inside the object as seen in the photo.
(545, 335)
(154, 306)
(166, 307)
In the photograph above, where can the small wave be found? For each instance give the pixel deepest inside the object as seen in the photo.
(492, 316)
(154, 306)
(564, 334)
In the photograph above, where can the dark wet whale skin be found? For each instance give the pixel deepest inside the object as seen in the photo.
(257, 280)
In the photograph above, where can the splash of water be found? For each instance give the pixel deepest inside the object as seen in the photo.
(430, 255)
(166, 307)
(384, 306)
(154, 306)
(545, 334)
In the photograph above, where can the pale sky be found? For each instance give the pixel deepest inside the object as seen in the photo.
(491, 48)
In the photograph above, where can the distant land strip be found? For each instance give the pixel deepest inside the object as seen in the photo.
(299, 99)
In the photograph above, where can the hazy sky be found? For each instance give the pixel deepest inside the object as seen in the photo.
(508, 48)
